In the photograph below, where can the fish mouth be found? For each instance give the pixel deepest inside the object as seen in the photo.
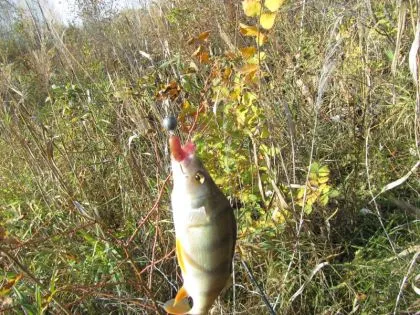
(180, 152)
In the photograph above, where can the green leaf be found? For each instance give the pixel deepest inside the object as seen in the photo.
(264, 133)
(314, 167)
(323, 199)
(308, 209)
(333, 193)
(390, 54)
(324, 171)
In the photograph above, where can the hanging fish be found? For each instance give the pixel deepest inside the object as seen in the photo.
(205, 230)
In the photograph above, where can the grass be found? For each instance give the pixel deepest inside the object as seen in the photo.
(85, 221)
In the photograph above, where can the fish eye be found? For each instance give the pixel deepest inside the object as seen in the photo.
(199, 177)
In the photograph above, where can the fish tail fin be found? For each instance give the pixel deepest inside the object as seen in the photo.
(182, 307)
(178, 305)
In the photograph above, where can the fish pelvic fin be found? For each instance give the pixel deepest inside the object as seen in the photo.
(182, 294)
(178, 305)
(181, 307)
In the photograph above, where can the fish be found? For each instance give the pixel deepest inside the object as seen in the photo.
(205, 231)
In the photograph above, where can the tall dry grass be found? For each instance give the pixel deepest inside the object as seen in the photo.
(85, 184)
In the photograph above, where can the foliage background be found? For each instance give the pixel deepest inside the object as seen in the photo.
(305, 135)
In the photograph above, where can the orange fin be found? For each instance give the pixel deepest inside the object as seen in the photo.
(181, 307)
(182, 294)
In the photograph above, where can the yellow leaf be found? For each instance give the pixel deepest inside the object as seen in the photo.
(203, 57)
(248, 30)
(323, 180)
(5, 288)
(324, 188)
(324, 171)
(273, 5)
(311, 199)
(313, 182)
(279, 216)
(261, 39)
(249, 98)
(248, 68)
(248, 52)
(257, 58)
(267, 20)
(226, 73)
(251, 7)
(219, 181)
(203, 36)
(186, 105)
(235, 95)
(313, 176)
(251, 78)
(300, 193)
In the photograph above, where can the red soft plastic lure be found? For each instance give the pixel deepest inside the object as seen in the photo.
(178, 151)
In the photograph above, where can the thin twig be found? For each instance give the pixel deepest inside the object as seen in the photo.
(378, 214)
(31, 276)
(404, 280)
(326, 72)
(162, 189)
(261, 291)
(140, 281)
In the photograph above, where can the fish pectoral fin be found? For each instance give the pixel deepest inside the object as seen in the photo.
(198, 217)
(182, 294)
(181, 307)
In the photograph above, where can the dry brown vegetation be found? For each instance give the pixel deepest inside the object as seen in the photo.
(317, 140)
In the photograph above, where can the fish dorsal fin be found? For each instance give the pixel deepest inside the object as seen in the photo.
(181, 307)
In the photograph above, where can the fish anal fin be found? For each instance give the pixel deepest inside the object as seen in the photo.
(181, 307)
(182, 294)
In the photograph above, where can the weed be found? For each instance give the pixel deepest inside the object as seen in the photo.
(303, 112)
